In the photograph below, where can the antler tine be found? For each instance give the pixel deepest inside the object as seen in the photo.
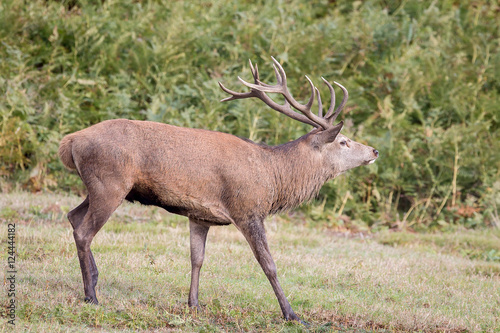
(320, 105)
(332, 98)
(235, 95)
(278, 75)
(332, 117)
(255, 71)
(311, 99)
(281, 70)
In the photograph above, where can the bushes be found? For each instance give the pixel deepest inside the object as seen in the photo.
(422, 77)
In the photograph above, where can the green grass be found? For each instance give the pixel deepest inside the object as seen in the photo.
(482, 244)
(374, 282)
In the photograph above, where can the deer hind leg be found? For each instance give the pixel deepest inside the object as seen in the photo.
(197, 237)
(99, 206)
(255, 234)
(75, 217)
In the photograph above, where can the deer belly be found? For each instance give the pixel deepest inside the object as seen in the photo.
(186, 206)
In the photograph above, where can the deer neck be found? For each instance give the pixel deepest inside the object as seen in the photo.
(299, 173)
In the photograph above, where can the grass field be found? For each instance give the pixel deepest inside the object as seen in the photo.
(367, 282)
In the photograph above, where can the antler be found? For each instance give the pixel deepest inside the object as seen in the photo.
(259, 90)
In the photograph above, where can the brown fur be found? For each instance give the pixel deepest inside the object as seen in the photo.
(212, 178)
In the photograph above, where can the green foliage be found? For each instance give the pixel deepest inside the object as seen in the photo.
(423, 78)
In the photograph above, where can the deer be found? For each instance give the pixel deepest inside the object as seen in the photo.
(213, 178)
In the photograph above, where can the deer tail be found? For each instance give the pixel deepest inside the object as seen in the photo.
(66, 152)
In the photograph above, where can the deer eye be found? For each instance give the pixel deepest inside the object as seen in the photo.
(343, 143)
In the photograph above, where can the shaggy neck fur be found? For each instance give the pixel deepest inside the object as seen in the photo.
(300, 175)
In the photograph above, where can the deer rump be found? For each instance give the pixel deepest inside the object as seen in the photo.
(212, 178)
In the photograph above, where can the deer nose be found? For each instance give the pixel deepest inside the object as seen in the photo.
(375, 151)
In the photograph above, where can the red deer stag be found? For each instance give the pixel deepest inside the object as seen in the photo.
(212, 178)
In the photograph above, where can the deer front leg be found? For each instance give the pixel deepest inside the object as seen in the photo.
(255, 234)
(197, 238)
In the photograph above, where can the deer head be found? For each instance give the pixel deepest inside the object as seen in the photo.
(338, 151)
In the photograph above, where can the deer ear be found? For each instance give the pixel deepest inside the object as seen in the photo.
(329, 135)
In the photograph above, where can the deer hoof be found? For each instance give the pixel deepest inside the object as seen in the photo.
(195, 309)
(303, 323)
(91, 300)
(294, 317)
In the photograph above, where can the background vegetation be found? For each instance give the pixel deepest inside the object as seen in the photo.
(423, 78)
